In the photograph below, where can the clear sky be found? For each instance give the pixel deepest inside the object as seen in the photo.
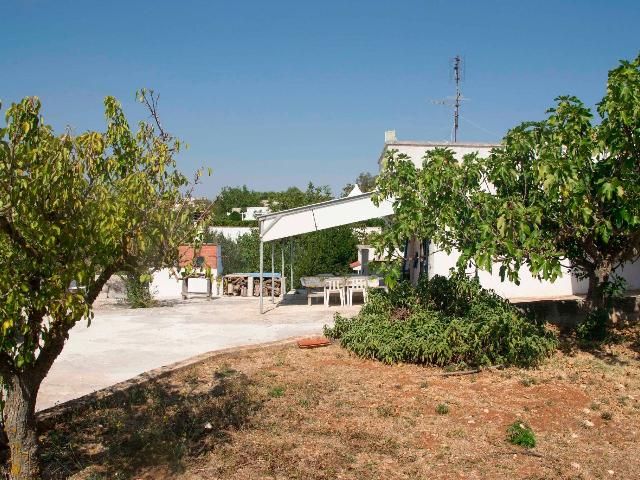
(277, 93)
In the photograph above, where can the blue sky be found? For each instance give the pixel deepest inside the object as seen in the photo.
(277, 93)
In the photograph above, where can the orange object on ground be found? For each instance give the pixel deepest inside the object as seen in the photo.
(314, 342)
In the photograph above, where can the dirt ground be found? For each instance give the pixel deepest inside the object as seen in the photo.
(286, 413)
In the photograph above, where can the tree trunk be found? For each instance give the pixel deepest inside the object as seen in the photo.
(598, 279)
(20, 425)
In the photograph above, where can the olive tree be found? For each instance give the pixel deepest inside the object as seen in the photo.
(564, 191)
(74, 209)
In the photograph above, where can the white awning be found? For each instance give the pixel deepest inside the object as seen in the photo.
(319, 216)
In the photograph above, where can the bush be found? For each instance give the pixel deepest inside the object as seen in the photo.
(595, 327)
(521, 434)
(443, 321)
(138, 292)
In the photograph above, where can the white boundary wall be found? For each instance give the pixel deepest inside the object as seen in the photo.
(231, 233)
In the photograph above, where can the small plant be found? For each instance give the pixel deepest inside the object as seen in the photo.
(384, 411)
(276, 392)
(225, 370)
(606, 415)
(424, 385)
(442, 409)
(528, 381)
(521, 434)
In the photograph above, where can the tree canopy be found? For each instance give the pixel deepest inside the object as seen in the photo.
(563, 191)
(74, 209)
(366, 181)
(243, 197)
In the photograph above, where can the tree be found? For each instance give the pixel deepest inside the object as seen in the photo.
(74, 209)
(324, 251)
(366, 181)
(236, 197)
(564, 189)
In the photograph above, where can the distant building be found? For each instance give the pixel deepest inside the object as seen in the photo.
(253, 213)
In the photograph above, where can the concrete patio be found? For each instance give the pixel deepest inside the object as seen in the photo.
(122, 343)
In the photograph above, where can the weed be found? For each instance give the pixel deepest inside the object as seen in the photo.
(528, 381)
(385, 411)
(521, 434)
(276, 392)
(280, 361)
(225, 371)
(442, 409)
(424, 385)
(606, 415)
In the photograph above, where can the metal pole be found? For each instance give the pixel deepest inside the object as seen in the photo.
(283, 283)
(261, 273)
(291, 260)
(273, 272)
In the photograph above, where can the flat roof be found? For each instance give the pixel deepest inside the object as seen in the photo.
(433, 144)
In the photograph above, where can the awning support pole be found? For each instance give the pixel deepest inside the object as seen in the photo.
(273, 272)
(283, 282)
(291, 260)
(261, 274)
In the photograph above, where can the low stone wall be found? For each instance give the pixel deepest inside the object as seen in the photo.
(566, 314)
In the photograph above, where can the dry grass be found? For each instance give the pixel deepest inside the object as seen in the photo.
(285, 413)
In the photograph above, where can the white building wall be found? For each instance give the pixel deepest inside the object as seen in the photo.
(440, 262)
(166, 286)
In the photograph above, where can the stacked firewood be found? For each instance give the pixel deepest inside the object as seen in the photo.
(235, 285)
(268, 284)
(238, 286)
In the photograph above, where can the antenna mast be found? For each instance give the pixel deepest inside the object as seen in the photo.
(456, 111)
(455, 102)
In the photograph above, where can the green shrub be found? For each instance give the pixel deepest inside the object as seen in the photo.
(471, 325)
(276, 392)
(442, 409)
(521, 434)
(137, 290)
(595, 327)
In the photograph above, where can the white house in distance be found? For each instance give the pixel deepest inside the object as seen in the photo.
(253, 213)
(422, 257)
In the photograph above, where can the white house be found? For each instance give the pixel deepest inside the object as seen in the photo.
(253, 213)
(423, 257)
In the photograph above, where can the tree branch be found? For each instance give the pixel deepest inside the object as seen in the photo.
(7, 227)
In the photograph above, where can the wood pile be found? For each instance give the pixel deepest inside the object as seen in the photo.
(266, 287)
(235, 285)
(239, 285)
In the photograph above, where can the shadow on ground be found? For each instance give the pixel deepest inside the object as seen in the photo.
(153, 425)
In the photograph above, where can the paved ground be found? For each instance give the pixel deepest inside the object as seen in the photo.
(122, 343)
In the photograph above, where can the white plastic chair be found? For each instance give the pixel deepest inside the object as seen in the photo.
(334, 286)
(357, 285)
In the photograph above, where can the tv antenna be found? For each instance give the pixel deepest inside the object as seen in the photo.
(458, 74)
